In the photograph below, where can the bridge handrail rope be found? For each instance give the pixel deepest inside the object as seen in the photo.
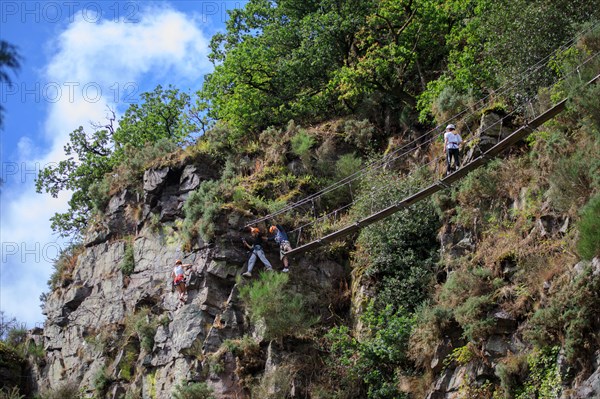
(386, 159)
(432, 161)
(358, 174)
(445, 182)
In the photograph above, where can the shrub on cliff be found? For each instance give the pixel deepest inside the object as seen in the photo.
(398, 253)
(369, 364)
(127, 264)
(194, 390)
(588, 245)
(200, 209)
(569, 318)
(64, 266)
(271, 302)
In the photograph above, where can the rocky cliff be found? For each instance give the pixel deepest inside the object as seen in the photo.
(116, 329)
(110, 332)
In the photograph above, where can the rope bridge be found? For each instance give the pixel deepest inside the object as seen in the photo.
(444, 183)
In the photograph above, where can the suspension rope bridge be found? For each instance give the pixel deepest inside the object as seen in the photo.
(443, 183)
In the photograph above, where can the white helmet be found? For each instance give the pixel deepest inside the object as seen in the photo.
(450, 127)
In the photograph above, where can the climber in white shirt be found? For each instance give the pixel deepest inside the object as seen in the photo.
(452, 142)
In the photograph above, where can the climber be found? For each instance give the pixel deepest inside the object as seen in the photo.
(178, 276)
(452, 142)
(281, 238)
(257, 250)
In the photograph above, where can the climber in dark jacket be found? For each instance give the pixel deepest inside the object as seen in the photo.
(256, 245)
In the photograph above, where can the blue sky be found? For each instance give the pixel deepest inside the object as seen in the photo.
(79, 59)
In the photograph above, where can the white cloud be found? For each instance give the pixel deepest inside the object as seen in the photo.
(93, 66)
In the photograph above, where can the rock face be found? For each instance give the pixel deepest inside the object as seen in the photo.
(493, 127)
(118, 332)
(469, 378)
(112, 333)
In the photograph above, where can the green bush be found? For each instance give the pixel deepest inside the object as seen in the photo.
(240, 346)
(472, 317)
(399, 252)
(127, 366)
(588, 245)
(302, 143)
(200, 209)
(99, 193)
(146, 330)
(468, 294)
(478, 195)
(128, 262)
(66, 390)
(142, 324)
(347, 165)
(462, 355)
(283, 311)
(512, 371)
(136, 159)
(463, 284)
(448, 103)
(101, 382)
(194, 390)
(572, 179)
(543, 380)
(360, 134)
(64, 265)
(36, 351)
(569, 317)
(369, 366)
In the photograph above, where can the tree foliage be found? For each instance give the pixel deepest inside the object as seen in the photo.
(396, 52)
(289, 59)
(494, 45)
(292, 59)
(276, 58)
(164, 115)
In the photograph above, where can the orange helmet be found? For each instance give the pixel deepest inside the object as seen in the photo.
(178, 262)
(272, 229)
(254, 230)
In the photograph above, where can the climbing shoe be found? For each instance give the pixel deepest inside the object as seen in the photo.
(247, 274)
(285, 270)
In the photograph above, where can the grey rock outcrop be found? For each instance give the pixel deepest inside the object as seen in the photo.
(130, 327)
(493, 127)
